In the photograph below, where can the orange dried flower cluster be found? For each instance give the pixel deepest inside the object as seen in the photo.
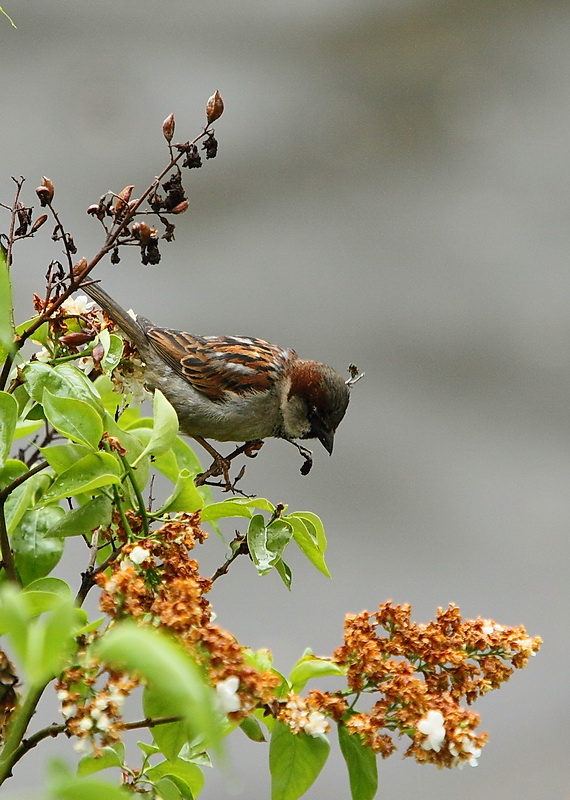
(89, 710)
(422, 671)
(156, 582)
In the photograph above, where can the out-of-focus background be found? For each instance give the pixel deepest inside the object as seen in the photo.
(393, 189)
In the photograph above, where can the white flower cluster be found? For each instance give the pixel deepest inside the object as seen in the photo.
(431, 725)
(227, 696)
(301, 719)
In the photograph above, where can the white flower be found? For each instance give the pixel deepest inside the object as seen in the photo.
(228, 699)
(316, 724)
(85, 724)
(432, 726)
(80, 746)
(103, 722)
(139, 554)
(77, 306)
(69, 710)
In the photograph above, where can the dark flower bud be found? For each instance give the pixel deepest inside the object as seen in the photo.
(180, 208)
(97, 353)
(76, 339)
(38, 223)
(214, 107)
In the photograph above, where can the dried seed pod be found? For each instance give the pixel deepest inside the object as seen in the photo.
(38, 223)
(214, 107)
(45, 192)
(180, 208)
(143, 232)
(168, 128)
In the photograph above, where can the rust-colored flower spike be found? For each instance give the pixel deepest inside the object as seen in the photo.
(168, 128)
(214, 108)
(45, 192)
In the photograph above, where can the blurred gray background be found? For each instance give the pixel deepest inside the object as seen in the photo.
(393, 189)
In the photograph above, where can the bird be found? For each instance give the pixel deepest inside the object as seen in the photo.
(234, 388)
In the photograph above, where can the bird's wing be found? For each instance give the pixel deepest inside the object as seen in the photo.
(216, 365)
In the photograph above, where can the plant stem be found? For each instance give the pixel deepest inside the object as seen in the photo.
(17, 729)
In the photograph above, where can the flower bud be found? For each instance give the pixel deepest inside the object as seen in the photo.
(123, 199)
(77, 339)
(97, 353)
(79, 267)
(214, 107)
(143, 232)
(180, 208)
(38, 223)
(45, 192)
(168, 128)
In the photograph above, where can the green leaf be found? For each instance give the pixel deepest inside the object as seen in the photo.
(112, 349)
(64, 785)
(44, 594)
(307, 539)
(295, 761)
(179, 457)
(312, 667)
(8, 418)
(21, 497)
(96, 512)
(88, 474)
(165, 427)
(315, 525)
(191, 774)
(108, 757)
(63, 380)
(168, 790)
(40, 335)
(168, 669)
(170, 737)
(75, 419)
(185, 496)
(361, 763)
(284, 573)
(35, 552)
(6, 326)
(267, 543)
(63, 456)
(252, 729)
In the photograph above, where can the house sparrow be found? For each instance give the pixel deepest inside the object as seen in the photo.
(234, 388)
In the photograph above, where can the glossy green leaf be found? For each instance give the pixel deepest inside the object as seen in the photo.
(75, 419)
(63, 380)
(8, 418)
(361, 763)
(185, 496)
(315, 525)
(90, 473)
(21, 498)
(306, 538)
(191, 774)
(284, 573)
(165, 428)
(312, 667)
(63, 456)
(112, 349)
(267, 543)
(84, 519)
(35, 552)
(295, 761)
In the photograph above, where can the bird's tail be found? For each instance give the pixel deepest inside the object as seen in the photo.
(120, 317)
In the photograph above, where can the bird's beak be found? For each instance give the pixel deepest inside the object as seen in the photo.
(326, 438)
